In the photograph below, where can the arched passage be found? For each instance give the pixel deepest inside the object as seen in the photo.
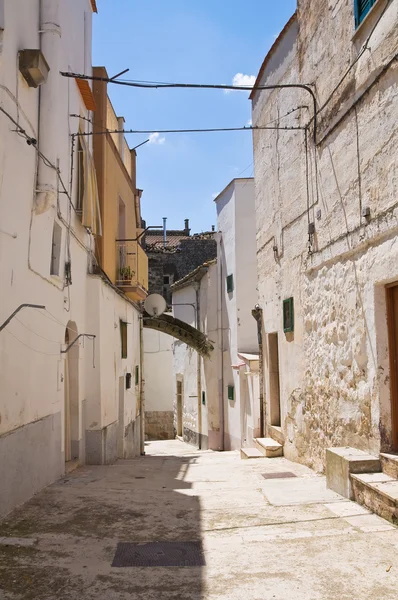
(71, 397)
(182, 331)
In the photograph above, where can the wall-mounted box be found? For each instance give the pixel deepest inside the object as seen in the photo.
(33, 67)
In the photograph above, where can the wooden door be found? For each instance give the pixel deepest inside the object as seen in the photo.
(392, 319)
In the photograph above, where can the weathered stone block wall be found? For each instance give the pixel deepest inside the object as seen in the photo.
(190, 254)
(159, 425)
(334, 371)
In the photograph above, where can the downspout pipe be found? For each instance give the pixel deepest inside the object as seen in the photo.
(49, 105)
(257, 313)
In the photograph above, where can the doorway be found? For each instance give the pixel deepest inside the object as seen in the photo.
(71, 396)
(179, 408)
(274, 387)
(392, 323)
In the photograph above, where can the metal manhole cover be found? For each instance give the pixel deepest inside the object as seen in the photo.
(283, 475)
(159, 554)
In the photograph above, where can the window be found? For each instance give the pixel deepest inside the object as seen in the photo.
(288, 315)
(203, 398)
(166, 279)
(56, 249)
(123, 338)
(137, 375)
(361, 8)
(231, 392)
(230, 284)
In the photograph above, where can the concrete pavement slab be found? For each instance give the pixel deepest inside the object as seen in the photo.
(316, 546)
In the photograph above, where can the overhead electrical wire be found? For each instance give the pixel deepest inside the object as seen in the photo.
(203, 86)
(205, 130)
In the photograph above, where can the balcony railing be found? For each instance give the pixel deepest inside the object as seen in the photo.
(132, 267)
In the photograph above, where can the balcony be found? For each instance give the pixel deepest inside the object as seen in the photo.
(132, 270)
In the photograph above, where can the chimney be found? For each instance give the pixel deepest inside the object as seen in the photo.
(186, 228)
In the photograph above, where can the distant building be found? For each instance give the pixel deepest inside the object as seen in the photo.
(171, 256)
(174, 255)
(216, 399)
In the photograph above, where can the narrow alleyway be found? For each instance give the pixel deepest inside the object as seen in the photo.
(262, 537)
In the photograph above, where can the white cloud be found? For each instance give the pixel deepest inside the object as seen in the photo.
(249, 123)
(154, 138)
(242, 80)
(214, 196)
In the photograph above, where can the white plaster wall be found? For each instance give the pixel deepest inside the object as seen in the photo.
(334, 367)
(246, 265)
(237, 256)
(29, 212)
(158, 366)
(185, 360)
(25, 257)
(185, 363)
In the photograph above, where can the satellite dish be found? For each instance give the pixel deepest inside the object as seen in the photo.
(155, 305)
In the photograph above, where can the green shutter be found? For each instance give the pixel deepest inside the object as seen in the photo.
(288, 315)
(231, 392)
(230, 284)
(361, 8)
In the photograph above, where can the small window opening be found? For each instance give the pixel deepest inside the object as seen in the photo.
(230, 284)
(56, 249)
(231, 392)
(123, 338)
(137, 375)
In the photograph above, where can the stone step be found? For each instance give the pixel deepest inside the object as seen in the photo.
(389, 464)
(246, 453)
(269, 447)
(343, 461)
(378, 492)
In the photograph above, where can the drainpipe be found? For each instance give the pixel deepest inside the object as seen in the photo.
(257, 313)
(142, 387)
(49, 104)
(220, 342)
(199, 365)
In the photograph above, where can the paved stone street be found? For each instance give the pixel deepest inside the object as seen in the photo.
(263, 538)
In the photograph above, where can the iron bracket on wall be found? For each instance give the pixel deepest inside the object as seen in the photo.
(20, 307)
(90, 336)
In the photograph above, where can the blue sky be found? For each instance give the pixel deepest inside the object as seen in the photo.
(189, 41)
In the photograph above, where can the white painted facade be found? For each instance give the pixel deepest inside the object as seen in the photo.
(159, 388)
(334, 371)
(222, 423)
(39, 428)
(238, 330)
(195, 302)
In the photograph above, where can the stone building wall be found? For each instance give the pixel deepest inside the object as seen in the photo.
(178, 262)
(334, 366)
(159, 425)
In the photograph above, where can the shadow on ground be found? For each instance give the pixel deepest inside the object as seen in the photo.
(76, 524)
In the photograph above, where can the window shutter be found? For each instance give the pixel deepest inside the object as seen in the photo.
(362, 7)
